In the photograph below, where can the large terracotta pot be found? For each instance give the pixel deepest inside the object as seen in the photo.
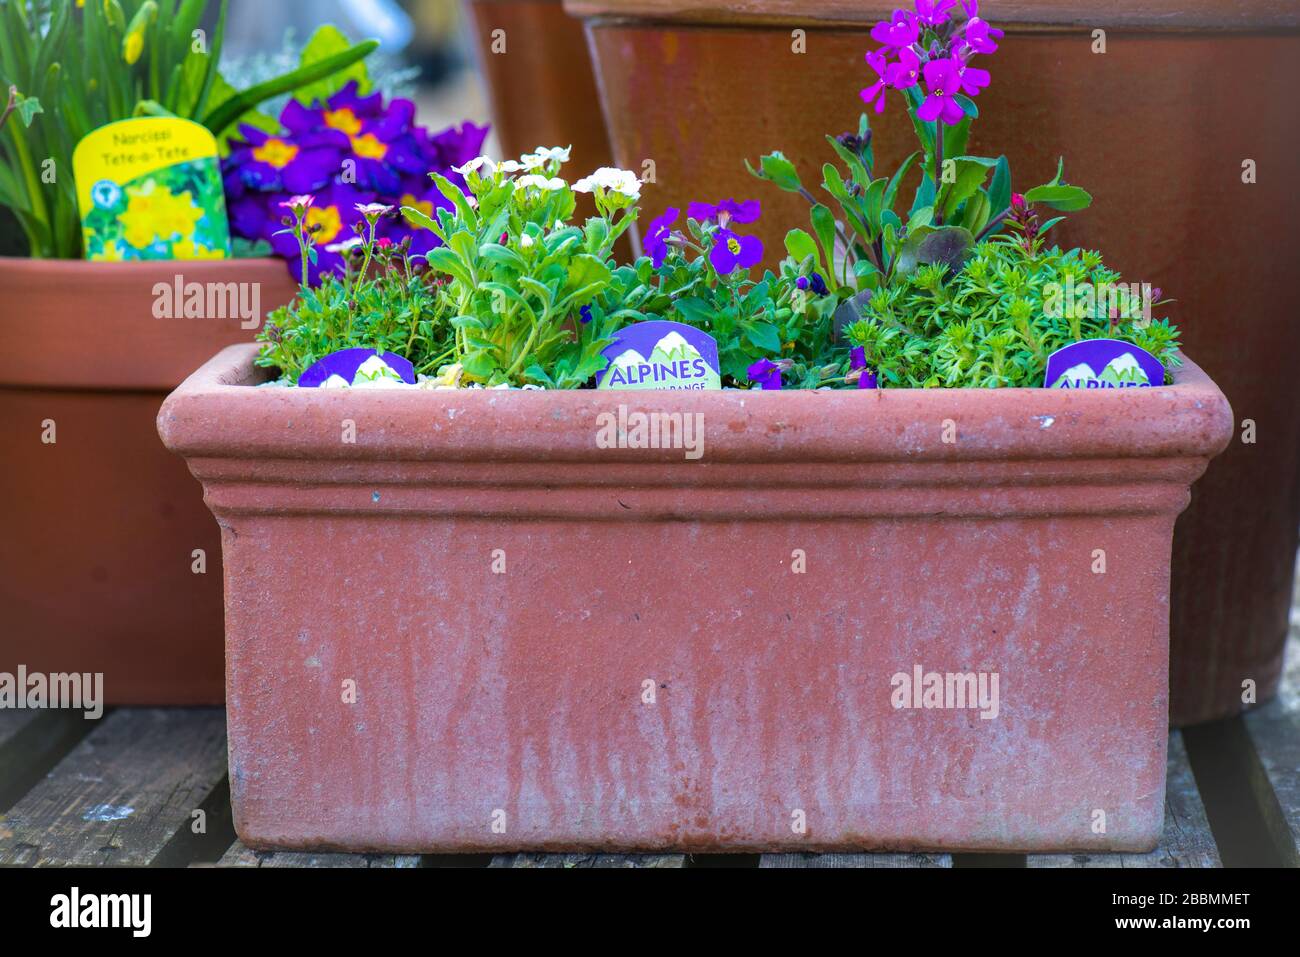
(542, 87)
(1157, 128)
(480, 627)
(96, 562)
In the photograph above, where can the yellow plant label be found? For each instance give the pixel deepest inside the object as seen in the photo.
(150, 188)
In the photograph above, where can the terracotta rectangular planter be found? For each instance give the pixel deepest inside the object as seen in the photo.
(476, 628)
(101, 525)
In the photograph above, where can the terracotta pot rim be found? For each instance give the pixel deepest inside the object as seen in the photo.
(1190, 418)
(143, 266)
(1156, 16)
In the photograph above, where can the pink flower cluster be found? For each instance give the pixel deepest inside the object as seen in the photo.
(944, 65)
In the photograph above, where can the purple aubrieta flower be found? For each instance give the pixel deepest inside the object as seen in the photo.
(971, 78)
(658, 233)
(980, 37)
(905, 71)
(765, 373)
(874, 95)
(731, 251)
(858, 360)
(747, 211)
(944, 82)
(899, 31)
(331, 218)
(934, 13)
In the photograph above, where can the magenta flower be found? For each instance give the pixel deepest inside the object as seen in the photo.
(944, 82)
(731, 251)
(905, 72)
(765, 373)
(934, 13)
(981, 37)
(747, 211)
(899, 31)
(657, 235)
(874, 95)
(971, 78)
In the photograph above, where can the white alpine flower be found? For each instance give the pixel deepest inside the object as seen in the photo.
(485, 163)
(533, 181)
(546, 154)
(614, 180)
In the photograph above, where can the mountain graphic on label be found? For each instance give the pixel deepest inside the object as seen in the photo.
(1121, 371)
(671, 348)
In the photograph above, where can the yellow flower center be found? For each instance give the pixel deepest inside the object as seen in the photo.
(734, 245)
(423, 205)
(369, 147)
(276, 153)
(343, 119)
(327, 217)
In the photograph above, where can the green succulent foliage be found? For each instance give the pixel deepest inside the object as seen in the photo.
(993, 322)
(751, 319)
(398, 310)
(520, 276)
(110, 60)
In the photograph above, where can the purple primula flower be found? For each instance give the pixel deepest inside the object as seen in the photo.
(899, 31)
(284, 163)
(765, 373)
(944, 82)
(934, 13)
(331, 217)
(747, 211)
(454, 146)
(657, 235)
(905, 72)
(731, 251)
(874, 95)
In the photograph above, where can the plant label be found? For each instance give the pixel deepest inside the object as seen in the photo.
(151, 188)
(357, 368)
(1102, 364)
(661, 355)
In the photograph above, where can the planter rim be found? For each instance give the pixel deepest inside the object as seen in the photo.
(1173, 16)
(71, 324)
(217, 412)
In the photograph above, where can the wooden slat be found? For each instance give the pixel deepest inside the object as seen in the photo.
(589, 860)
(122, 793)
(241, 856)
(31, 743)
(1186, 842)
(856, 860)
(1275, 733)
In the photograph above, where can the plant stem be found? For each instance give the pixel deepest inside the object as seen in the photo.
(938, 171)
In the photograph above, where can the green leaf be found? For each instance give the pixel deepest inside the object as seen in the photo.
(800, 246)
(328, 41)
(949, 245)
(779, 170)
(1000, 187)
(764, 335)
(852, 161)
(891, 191)
(1065, 198)
(229, 111)
(970, 176)
(27, 107)
(824, 226)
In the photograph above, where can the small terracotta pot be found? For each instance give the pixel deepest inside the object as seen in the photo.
(700, 85)
(97, 556)
(475, 628)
